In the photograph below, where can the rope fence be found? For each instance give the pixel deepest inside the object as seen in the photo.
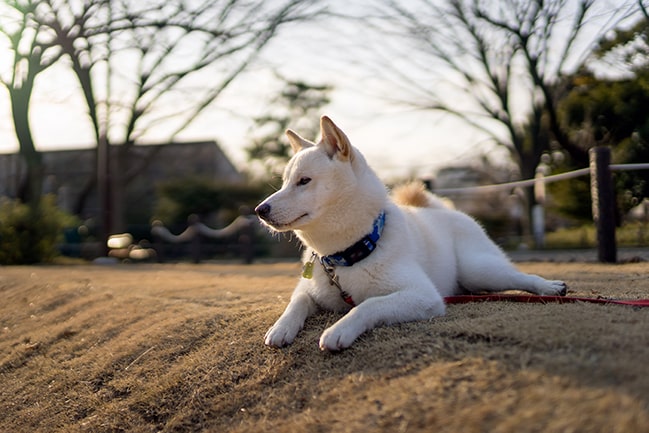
(531, 182)
(242, 228)
(602, 194)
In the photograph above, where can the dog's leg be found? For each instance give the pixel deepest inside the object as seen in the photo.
(283, 332)
(493, 272)
(402, 306)
(483, 266)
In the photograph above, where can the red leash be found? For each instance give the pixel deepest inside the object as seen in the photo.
(535, 299)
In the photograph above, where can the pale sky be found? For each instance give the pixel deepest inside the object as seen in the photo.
(396, 140)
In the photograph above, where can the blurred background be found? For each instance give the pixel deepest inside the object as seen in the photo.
(164, 120)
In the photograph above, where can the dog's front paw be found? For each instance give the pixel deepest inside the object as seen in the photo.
(556, 288)
(281, 334)
(338, 337)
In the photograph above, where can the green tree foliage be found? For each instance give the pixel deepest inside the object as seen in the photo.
(299, 107)
(611, 112)
(30, 235)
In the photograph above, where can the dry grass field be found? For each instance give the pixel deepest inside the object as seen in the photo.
(178, 348)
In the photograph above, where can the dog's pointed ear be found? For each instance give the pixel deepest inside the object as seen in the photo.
(297, 143)
(334, 140)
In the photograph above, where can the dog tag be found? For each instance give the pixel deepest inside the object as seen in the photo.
(307, 269)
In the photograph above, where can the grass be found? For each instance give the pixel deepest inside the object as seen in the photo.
(178, 348)
(629, 235)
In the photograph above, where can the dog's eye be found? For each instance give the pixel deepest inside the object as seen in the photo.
(303, 181)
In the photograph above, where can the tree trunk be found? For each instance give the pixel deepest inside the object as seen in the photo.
(31, 190)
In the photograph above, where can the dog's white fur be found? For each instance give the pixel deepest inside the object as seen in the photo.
(330, 198)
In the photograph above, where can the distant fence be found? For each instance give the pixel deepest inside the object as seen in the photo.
(602, 194)
(532, 182)
(238, 238)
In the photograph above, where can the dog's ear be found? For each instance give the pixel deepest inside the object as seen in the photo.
(334, 140)
(297, 143)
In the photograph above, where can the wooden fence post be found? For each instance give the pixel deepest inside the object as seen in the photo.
(603, 197)
(195, 244)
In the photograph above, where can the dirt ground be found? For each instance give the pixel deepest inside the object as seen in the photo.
(179, 348)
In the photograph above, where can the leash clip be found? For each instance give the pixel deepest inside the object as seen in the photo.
(333, 280)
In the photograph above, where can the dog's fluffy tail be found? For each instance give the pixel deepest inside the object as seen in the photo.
(415, 194)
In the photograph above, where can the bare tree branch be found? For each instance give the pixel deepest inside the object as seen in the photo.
(138, 63)
(493, 48)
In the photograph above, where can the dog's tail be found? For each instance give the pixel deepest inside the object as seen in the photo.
(415, 194)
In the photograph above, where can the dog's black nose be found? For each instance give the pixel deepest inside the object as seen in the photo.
(263, 210)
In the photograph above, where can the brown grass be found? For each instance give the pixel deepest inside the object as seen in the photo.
(168, 348)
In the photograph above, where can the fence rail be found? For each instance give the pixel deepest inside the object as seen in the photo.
(196, 232)
(242, 227)
(532, 182)
(602, 194)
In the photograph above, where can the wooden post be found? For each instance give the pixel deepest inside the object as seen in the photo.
(105, 191)
(158, 242)
(603, 197)
(195, 243)
(246, 244)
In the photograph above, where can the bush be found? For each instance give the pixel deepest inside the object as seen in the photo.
(31, 235)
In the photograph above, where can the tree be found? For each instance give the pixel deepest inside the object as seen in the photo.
(501, 67)
(625, 50)
(604, 109)
(154, 67)
(34, 50)
(27, 236)
(297, 106)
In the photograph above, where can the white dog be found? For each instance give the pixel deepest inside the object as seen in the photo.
(381, 260)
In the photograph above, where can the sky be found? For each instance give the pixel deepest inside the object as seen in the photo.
(397, 140)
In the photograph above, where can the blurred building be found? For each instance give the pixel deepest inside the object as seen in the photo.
(71, 174)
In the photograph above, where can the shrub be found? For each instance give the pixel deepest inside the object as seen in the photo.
(31, 235)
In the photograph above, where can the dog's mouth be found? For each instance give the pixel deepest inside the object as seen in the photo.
(284, 226)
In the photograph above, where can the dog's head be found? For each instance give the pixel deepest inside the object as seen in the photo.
(317, 178)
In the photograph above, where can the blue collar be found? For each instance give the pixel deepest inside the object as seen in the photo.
(359, 250)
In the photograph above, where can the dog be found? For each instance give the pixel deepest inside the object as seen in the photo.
(380, 258)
